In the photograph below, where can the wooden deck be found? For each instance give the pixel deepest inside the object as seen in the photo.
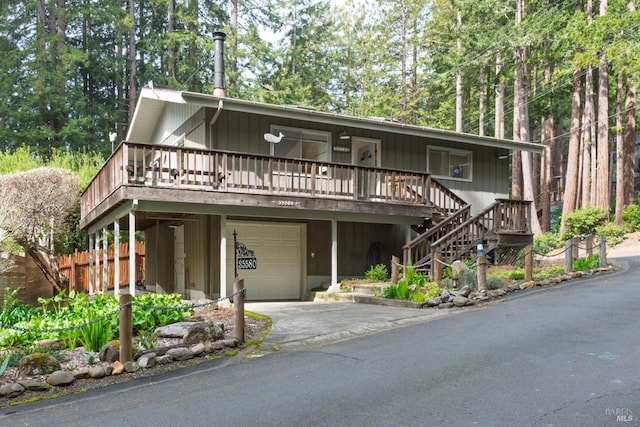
(212, 176)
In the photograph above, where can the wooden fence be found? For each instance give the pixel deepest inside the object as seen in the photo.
(76, 267)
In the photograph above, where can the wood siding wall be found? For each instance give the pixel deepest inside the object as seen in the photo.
(244, 132)
(173, 118)
(360, 245)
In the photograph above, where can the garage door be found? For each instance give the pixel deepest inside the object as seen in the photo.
(278, 249)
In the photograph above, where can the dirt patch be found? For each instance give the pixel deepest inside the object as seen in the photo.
(255, 327)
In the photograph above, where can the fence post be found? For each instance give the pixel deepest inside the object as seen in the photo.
(528, 263)
(481, 271)
(436, 267)
(603, 251)
(568, 255)
(589, 245)
(394, 269)
(238, 309)
(575, 247)
(126, 328)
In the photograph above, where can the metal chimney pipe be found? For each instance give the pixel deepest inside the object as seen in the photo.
(218, 70)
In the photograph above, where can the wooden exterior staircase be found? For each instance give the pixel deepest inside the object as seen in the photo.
(453, 233)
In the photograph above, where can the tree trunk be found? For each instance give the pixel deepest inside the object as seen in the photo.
(571, 182)
(171, 46)
(459, 84)
(48, 264)
(481, 102)
(630, 143)
(133, 95)
(233, 51)
(620, 153)
(588, 174)
(499, 118)
(603, 176)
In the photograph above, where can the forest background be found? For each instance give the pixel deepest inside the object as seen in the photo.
(556, 72)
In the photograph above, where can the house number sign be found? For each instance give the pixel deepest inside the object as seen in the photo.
(245, 257)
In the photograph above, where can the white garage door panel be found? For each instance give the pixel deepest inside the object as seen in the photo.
(278, 250)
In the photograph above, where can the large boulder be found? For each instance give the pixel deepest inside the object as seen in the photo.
(38, 364)
(110, 352)
(192, 332)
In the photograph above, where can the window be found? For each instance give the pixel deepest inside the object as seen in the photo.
(301, 144)
(449, 163)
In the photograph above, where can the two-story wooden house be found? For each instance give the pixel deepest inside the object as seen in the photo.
(309, 197)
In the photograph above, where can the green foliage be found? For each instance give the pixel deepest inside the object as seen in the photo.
(13, 311)
(377, 273)
(546, 242)
(588, 263)
(413, 287)
(147, 340)
(613, 233)
(5, 364)
(548, 272)
(631, 217)
(96, 334)
(147, 313)
(65, 311)
(584, 221)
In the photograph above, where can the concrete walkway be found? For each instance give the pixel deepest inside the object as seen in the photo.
(300, 324)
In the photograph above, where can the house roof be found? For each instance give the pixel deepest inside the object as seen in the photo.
(151, 103)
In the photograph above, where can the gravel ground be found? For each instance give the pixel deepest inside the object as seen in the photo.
(255, 329)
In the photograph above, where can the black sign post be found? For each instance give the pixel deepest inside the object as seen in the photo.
(235, 254)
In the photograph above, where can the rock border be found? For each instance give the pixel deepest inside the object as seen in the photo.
(149, 359)
(465, 297)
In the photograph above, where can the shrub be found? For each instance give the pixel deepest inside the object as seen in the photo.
(631, 217)
(614, 233)
(586, 263)
(96, 333)
(584, 221)
(546, 242)
(377, 273)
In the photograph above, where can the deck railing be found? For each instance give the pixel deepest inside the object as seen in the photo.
(216, 170)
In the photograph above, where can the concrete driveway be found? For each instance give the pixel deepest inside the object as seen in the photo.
(300, 324)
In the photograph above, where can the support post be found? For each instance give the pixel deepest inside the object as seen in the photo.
(575, 247)
(568, 256)
(223, 256)
(105, 260)
(132, 253)
(603, 251)
(335, 287)
(126, 328)
(97, 272)
(395, 261)
(528, 263)
(481, 271)
(91, 276)
(436, 267)
(116, 258)
(238, 309)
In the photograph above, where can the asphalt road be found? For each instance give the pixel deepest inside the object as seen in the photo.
(565, 356)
